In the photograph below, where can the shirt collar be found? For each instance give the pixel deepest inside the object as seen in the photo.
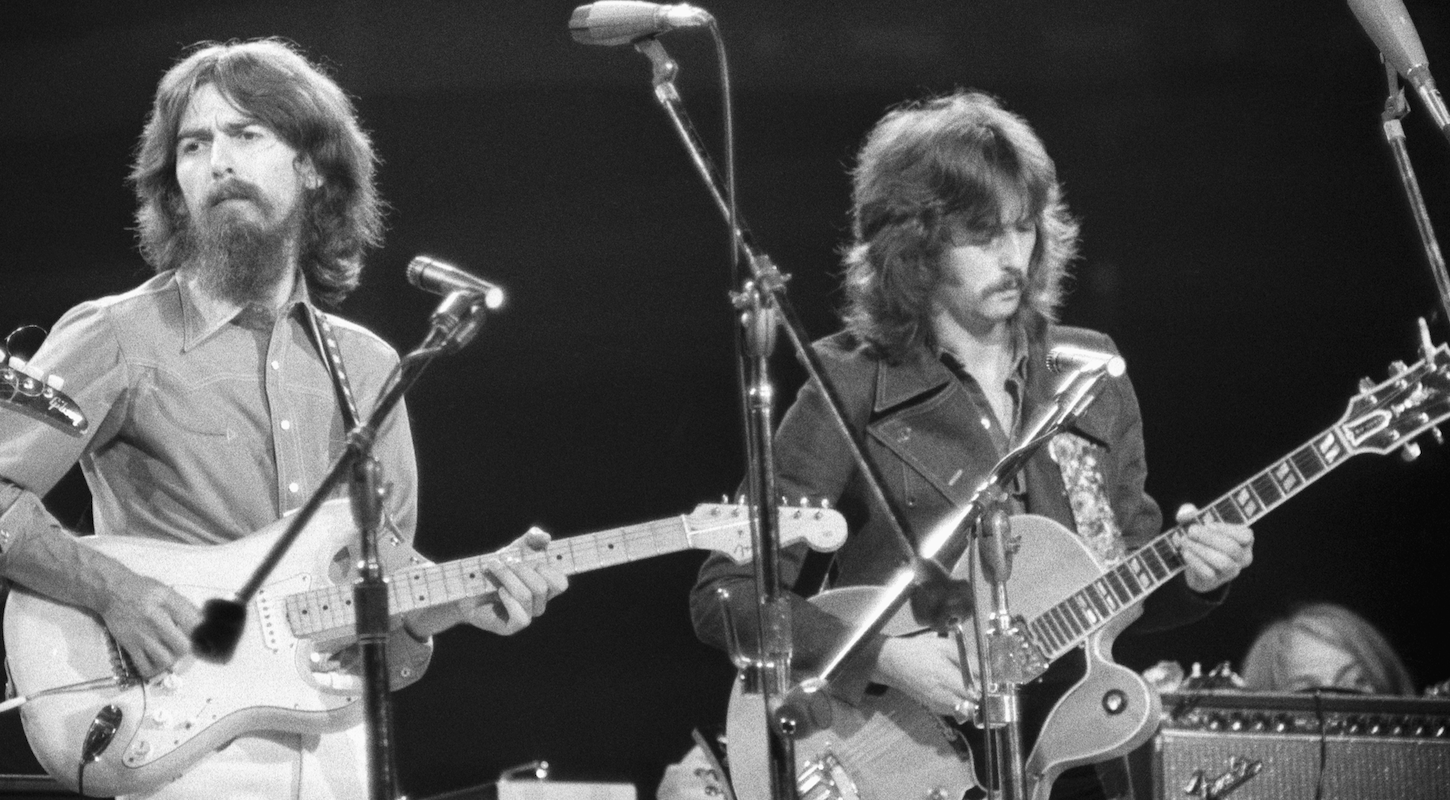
(922, 370)
(203, 315)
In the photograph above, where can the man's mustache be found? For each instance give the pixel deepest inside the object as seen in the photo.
(235, 190)
(1013, 281)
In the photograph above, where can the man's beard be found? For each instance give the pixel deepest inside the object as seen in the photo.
(236, 257)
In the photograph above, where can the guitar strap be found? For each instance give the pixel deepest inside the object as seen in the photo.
(1080, 462)
(326, 342)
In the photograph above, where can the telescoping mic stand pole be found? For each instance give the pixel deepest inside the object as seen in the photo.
(764, 305)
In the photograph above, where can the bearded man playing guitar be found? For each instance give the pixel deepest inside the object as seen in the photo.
(961, 245)
(215, 399)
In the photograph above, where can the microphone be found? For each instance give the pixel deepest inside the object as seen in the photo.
(1066, 358)
(611, 22)
(434, 276)
(1389, 25)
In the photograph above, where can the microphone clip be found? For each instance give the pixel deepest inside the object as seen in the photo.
(456, 321)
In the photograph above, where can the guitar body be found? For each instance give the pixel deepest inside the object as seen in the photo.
(885, 746)
(171, 722)
(1107, 714)
(1111, 710)
(889, 746)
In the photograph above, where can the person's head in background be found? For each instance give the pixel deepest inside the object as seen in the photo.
(1324, 646)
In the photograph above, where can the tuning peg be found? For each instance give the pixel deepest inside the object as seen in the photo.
(1427, 347)
(1410, 451)
(1439, 437)
(1398, 368)
(1365, 384)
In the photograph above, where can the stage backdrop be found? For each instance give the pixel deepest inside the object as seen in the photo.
(1246, 243)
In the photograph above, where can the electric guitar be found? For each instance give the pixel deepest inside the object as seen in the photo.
(889, 746)
(38, 396)
(84, 699)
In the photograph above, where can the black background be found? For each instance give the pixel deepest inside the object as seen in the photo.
(1246, 242)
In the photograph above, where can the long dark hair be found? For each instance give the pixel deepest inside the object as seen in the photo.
(271, 81)
(927, 168)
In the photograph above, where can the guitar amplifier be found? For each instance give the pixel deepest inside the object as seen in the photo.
(542, 790)
(1268, 746)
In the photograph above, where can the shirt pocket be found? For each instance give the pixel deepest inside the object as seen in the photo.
(171, 401)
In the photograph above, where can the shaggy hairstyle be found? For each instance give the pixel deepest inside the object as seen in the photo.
(270, 80)
(928, 169)
(1265, 667)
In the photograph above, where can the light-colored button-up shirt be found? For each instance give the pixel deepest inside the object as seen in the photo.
(207, 420)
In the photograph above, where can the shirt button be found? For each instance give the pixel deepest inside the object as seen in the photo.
(293, 487)
(286, 425)
(986, 423)
(276, 365)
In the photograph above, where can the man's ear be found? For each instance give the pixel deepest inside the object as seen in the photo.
(310, 176)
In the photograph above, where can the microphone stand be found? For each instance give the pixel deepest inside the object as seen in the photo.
(455, 322)
(1395, 109)
(1002, 667)
(767, 292)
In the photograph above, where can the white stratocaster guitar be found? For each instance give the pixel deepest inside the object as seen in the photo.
(889, 746)
(79, 687)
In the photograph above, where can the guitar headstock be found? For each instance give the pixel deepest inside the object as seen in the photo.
(1415, 398)
(38, 395)
(725, 527)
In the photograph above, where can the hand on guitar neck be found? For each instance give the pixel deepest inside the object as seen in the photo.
(526, 589)
(1214, 553)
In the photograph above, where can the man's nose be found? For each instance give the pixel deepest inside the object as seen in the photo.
(1016, 249)
(223, 158)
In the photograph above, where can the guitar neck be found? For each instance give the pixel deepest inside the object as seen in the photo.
(1061, 627)
(324, 610)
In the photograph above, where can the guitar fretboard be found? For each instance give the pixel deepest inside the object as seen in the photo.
(1062, 627)
(320, 610)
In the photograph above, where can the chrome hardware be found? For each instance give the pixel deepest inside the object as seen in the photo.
(825, 778)
(99, 735)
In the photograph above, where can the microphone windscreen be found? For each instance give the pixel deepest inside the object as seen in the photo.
(1389, 25)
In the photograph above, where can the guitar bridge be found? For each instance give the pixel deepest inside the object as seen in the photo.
(1015, 655)
(825, 778)
(122, 667)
